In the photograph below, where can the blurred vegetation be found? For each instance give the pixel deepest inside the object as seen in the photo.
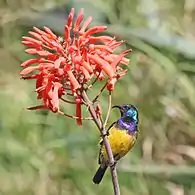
(41, 153)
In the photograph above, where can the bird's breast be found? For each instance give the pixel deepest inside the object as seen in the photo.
(120, 141)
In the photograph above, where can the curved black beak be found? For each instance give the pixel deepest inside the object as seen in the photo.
(120, 108)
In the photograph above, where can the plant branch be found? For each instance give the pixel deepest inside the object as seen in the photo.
(98, 95)
(94, 81)
(67, 101)
(103, 133)
(109, 108)
(113, 166)
(74, 117)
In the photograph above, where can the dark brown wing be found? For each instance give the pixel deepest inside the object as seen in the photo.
(101, 142)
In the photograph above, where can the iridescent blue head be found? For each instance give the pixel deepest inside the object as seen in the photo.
(129, 117)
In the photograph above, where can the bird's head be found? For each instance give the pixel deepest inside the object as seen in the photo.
(128, 110)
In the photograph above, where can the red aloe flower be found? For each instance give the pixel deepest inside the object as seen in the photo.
(65, 66)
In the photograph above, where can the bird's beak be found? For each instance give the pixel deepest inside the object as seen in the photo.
(120, 108)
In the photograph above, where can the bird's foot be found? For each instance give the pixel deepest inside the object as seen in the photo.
(112, 164)
(104, 134)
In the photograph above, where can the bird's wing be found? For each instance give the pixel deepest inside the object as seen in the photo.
(101, 142)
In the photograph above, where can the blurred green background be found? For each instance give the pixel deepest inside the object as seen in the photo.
(42, 153)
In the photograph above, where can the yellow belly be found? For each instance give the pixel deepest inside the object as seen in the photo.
(120, 141)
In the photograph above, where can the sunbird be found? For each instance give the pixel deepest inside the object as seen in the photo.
(122, 135)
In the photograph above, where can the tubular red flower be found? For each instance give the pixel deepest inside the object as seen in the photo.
(32, 40)
(119, 58)
(73, 80)
(64, 66)
(31, 51)
(78, 21)
(53, 36)
(103, 39)
(70, 18)
(31, 61)
(40, 31)
(78, 102)
(28, 70)
(30, 44)
(111, 84)
(55, 96)
(106, 67)
(100, 47)
(29, 77)
(87, 66)
(36, 35)
(86, 74)
(58, 62)
(94, 30)
(86, 23)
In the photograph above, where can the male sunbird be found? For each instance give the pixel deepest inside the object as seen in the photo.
(122, 135)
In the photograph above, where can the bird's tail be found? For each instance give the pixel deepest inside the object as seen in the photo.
(99, 174)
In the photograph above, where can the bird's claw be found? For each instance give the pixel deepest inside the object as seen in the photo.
(112, 164)
(104, 134)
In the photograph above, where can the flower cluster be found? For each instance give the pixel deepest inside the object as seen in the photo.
(66, 66)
